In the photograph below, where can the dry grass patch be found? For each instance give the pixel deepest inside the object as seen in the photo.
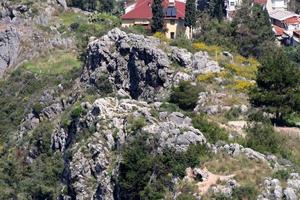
(246, 171)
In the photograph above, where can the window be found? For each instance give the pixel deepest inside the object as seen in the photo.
(232, 3)
(172, 35)
(172, 21)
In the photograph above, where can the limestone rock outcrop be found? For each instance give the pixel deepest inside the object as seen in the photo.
(9, 48)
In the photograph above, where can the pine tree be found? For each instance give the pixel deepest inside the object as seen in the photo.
(158, 16)
(278, 86)
(190, 13)
(253, 29)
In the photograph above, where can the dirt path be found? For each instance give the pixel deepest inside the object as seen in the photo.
(212, 180)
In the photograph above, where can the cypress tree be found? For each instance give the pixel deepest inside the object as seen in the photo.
(190, 13)
(216, 9)
(158, 16)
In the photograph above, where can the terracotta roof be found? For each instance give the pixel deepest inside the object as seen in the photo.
(292, 20)
(282, 14)
(143, 10)
(260, 2)
(278, 30)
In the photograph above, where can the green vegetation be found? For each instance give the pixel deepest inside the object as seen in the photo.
(157, 24)
(249, 34)
(190, 14)
(58, 63)
(145, 174)
(94, 5)
(210, 130)
(77, 112)
(39, 179)
(263, 138)
(216, 9)
(278, 85)
(21, 176)
(245, 192)
(185, 95)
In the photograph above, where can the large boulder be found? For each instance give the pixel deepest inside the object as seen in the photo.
(181, 56)
(9, 48)
(134, 63)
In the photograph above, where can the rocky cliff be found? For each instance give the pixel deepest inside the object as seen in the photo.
(9, 48)
(83, 138)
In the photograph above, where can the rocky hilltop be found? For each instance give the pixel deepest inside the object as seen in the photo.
(135, 118)
(139, 66)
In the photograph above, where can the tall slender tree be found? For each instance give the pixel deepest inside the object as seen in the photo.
(190, 13)
(216, 8)
(157, 24)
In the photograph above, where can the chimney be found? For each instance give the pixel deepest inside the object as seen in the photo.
(171, 3)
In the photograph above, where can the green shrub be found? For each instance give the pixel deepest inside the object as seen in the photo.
(185, 95)
(263, 138)
(281, 175)
(233, 113)
(146, 174)
(210, 130)
(37, 108)
(183, 42)
(103, 85)
(137, 123)
(248, 192)
(77, 112)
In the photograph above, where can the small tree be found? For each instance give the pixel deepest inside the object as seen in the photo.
(277, 86)
(158, 16)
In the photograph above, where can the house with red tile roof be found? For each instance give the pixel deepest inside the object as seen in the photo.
(140, 14)
(286, 26)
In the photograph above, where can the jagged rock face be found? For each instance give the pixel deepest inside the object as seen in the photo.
(134, 63)
(93, 164)
(137, 65)
(9, 48)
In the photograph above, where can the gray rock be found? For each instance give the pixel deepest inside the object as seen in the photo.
(181, 56)
(63, 3)
(9, 48)
(200, 174)
(52, 111)
(136, 64)
(289, 194)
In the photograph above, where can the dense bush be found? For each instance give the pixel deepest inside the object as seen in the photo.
(263, 138)
(210, 130)
(275, 93)
(185, 95)
(37, 108)
(77, 112)
(248, 192)
(145, 174)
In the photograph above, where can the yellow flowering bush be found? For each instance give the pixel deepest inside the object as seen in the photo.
(161, 36)
(213, 49)
(243, 67)
(241, 85)
(206, 77)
